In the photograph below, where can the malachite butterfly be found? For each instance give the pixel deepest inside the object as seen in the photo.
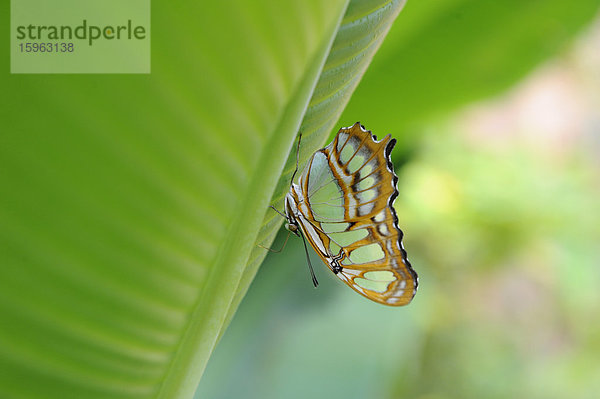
(343, 205)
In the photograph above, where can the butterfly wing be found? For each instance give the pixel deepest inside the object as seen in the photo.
(344, 199)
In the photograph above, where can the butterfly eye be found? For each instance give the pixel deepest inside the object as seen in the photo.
(291, 227)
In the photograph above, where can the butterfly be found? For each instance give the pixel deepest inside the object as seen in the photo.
(342, 204)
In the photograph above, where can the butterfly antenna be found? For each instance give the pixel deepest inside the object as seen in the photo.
(297, 158)
(312, 272)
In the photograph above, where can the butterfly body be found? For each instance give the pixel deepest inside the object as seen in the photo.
(342, 204)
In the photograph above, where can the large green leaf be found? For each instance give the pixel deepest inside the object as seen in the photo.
(130, 206)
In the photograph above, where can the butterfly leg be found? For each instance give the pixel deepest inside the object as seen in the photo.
(286, 239)
(276, 210)
(277, 250)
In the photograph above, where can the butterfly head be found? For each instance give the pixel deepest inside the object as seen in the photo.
(292, 226)
(290, 210)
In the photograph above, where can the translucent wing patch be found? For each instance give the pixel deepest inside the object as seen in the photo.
(343, 203)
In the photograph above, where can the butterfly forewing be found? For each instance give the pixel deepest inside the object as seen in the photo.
(344, 199)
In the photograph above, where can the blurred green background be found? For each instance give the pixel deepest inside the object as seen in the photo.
(497, 110)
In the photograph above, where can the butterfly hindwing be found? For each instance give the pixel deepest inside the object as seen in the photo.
(344, 198)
